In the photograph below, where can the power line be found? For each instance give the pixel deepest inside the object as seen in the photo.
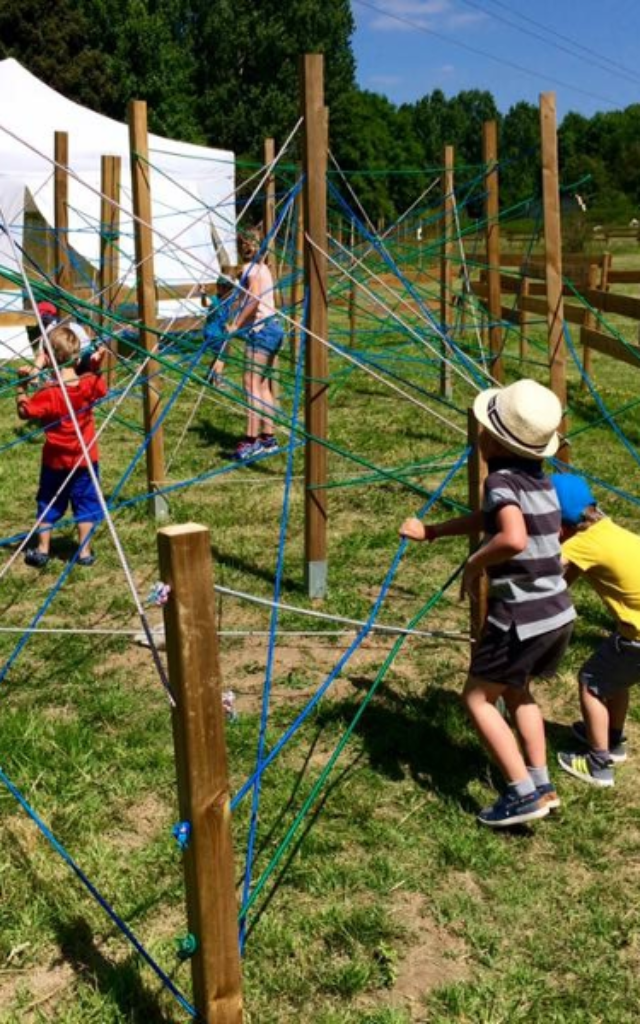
(484, 53)
(620, 68)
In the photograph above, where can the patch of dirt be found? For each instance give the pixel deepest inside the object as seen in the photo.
(43, 986)
(434, 957)
(140, 823)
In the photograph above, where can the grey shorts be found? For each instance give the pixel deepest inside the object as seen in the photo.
(614, 665)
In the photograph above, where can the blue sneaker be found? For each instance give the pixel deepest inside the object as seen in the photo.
(511, 809)
(269, 442)
(548, 797)
(247, 449)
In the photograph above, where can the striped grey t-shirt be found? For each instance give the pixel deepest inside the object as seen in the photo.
(529, 591)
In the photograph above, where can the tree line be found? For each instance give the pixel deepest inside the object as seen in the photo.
(225, 73)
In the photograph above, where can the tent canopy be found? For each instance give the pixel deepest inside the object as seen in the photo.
(192, 187)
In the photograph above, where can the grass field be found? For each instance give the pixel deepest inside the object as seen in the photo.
(391, 906)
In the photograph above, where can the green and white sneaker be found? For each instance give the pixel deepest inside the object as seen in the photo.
(583, 766)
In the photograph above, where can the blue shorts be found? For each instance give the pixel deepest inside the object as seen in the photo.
(79, 491)
(267, 336)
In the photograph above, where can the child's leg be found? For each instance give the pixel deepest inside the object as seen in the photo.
(266, 395)
(86, 507)
(84, 544)
(529, 724)
(252, 387)
(479, 697)
(617, 706)
(51, 502)
(596, 718)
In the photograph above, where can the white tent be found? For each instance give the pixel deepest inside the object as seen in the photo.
(192, 187)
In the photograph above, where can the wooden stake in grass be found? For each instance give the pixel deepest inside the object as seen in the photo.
(201, 765)
(446, 269)
(64, 277)
(553, 256)
(316, 361)
(110, 174)
(492, 219)
(152, 397)
(477, 474)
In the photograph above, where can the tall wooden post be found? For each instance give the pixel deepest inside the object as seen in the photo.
(589, 322)
(64, 274)
(269, 221)
(353, 289)
(446, 269)
(477, 473)
(316, 362)
(152, 393)
(297, 283)
(110, 174)
(523, 317)
(553, 255)
(492, 219)
(201, 766)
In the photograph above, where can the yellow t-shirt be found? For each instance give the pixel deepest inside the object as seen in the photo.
(609, 556)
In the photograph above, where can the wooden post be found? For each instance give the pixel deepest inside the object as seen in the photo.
(270, 201)
(353, 289)
(110, 174)
(316, 362)
(523, 317)
(297, 283)
(64, 275)
(446, 270)
(589, 322)
(201, 766)
(492, 229)
(152, 395)
(553, 256)
(477, 473)
(269, 221)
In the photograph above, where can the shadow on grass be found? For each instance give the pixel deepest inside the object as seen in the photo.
(426, 736)
(120, 981)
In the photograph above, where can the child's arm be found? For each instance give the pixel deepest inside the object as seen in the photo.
(249, 303)
(510, 540)
(22, 398)
(414, 529)
(571, 572)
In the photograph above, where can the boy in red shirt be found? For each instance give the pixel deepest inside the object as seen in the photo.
(62, 455)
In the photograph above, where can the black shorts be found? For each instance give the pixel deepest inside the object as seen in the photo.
(501, 657)
(615, 665)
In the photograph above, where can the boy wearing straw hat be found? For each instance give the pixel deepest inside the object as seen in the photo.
(530, 614)
(608, 557)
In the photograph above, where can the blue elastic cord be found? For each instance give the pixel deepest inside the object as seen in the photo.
(362, 635)
(273, 636)
(90, 887)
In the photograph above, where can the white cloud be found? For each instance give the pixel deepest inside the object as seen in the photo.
(385, 80)
(422, 14)
(419, 12)
(463, 18)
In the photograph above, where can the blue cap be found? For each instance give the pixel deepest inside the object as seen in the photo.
(574, 495)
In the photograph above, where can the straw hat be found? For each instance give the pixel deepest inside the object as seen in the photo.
(524, 417)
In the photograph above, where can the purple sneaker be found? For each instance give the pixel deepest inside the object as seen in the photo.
(247, 449)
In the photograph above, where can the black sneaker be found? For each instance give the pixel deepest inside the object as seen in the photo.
(511, 809)
(617, 751)
(36, 559)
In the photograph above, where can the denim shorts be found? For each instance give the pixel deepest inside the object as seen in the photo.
(79, 491)
(267, 336)
(614, 665)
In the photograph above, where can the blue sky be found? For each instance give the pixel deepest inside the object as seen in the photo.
(412, 49)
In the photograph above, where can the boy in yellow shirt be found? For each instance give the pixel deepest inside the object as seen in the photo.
(608, 557)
